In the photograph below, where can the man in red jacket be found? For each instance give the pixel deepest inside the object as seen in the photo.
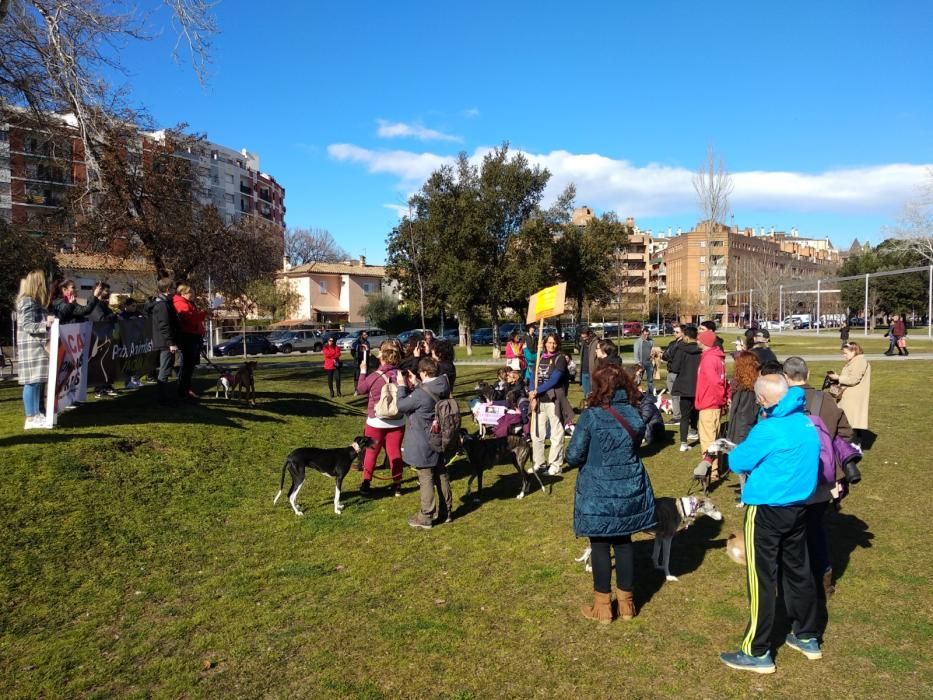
(712, 391)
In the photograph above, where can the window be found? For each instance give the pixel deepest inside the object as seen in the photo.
(322, 285)
(702, 287)
(229, 198)
(702, 258)
(230, 178)
(367, 287)
(702, 244)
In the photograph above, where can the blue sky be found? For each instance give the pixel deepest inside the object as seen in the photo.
(822, 111)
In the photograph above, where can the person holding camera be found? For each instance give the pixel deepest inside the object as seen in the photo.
(103, 313)
(359, 352)
(418, 394)
(853, 389)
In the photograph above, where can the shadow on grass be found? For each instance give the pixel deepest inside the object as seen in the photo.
(687, 553)
(845, 533)
(46, 437)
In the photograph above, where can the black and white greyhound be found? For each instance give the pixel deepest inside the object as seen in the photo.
(334, 462)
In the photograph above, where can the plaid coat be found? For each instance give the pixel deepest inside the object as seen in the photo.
(32, 335)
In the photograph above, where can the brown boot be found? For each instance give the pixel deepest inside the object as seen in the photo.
(601, 609)
(626, 604)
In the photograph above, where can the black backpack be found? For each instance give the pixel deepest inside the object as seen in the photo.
(445, 429)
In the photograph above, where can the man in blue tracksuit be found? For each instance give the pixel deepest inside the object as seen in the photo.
(781, 457)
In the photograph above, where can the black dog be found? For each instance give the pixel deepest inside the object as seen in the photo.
(334, 462)
(487, 452)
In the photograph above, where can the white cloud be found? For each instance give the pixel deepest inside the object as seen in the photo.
(394, 130)
(399, 209)
(662, 190)
(471, 112)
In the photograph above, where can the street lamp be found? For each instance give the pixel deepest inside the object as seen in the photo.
(661, 271)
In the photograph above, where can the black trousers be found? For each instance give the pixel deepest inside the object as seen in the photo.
(330, 381)
(602, 563)
(818, 551)
(688, 416)
(190, 348)
(778, 534)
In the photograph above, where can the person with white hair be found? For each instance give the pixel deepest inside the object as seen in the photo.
(781, 457)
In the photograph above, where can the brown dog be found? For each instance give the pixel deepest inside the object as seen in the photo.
(735, 547)
(244, 381)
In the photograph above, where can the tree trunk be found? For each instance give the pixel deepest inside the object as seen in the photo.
(496, 350)
(465, 339)
(243, 318)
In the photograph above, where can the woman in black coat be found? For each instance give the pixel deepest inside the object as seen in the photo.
(613, 497)
(686, 364)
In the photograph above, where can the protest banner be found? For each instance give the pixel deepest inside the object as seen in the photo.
(68, 365)
(541, 305)
(120, 347)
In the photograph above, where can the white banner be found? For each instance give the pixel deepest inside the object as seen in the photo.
(68, 360)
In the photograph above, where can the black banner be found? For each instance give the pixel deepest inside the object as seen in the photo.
(120, 347)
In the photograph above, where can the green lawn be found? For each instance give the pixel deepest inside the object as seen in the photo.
(142, 556)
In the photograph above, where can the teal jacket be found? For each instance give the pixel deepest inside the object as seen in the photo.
(781, 454)
(613, 493)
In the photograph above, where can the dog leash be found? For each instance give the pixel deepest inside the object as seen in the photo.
(222, 372)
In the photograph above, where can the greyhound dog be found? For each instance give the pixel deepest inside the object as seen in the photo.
(334, 462)
(483, 453)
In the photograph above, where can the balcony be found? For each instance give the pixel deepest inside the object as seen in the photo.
(246, 190)
(265, 196)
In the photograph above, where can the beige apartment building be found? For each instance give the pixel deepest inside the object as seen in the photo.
(710, 269)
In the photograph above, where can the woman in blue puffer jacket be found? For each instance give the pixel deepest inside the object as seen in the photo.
(614, 498)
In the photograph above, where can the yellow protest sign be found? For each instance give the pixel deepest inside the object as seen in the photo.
(547, 303)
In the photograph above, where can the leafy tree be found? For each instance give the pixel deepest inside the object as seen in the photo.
(584, 258)
(379, 309)
(20, 253)
(889, 294)
(274, 297)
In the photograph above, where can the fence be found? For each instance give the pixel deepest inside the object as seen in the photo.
(828, 285)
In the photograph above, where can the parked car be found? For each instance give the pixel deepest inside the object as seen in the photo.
(506, 329)
(630, 329)
(482, 336)
(653, 328)
(377, 337)
(327, 335)
(773, 325)
(302, 341)
(452, 335)
(405, 335)
(255, 345)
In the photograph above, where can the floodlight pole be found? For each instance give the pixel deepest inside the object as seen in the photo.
(750, 312)
(866, 304)
(818, 306)
(781, 308)
(930, 303)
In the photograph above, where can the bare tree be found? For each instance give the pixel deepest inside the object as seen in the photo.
(914, 230)
(54, 55)
(312, 245)
(713, 185)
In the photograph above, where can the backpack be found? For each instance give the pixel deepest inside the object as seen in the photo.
(445, 429)
(387, 405)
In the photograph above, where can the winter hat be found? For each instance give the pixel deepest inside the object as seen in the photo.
(707, 337)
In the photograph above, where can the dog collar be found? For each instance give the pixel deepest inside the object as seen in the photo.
(355, 446)
(688, 507)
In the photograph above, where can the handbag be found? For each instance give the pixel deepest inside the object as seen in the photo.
(836, 390)
(902, 342)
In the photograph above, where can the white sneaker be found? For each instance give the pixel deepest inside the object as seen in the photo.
(693, 437)
(36, 422)
(554, 470)
(684, 447)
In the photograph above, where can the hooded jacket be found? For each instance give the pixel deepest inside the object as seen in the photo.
(164, 321)
(418, 406)
(613, 494)
(712, 388)
(686, 363)
(780, 455)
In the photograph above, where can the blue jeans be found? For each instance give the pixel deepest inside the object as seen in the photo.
(649, 376)
(32, 394)
(585, 383)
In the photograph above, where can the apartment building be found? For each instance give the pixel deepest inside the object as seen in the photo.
(631, 266)
(41, 166)
(715, 262)
(234, 183)
(38, 169)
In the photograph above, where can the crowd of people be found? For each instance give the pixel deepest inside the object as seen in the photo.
(764, 408)
(768, 407)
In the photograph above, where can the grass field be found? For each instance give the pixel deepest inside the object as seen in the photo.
(142, 556)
